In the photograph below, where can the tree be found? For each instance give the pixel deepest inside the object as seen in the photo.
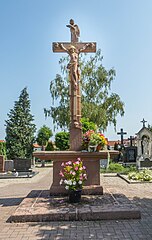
(99, 105)
(43, 136)
(87, 125)
(20, 128)
(62, 140)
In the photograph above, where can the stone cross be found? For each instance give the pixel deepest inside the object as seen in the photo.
(143, 121)
(131, 139)
(74, 48)
(121, 133)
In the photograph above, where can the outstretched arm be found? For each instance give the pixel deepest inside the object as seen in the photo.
(62, 47)
(87, 45)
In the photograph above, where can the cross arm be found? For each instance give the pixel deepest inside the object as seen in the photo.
(82, 47)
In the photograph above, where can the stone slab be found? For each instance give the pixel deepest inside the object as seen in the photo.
(38, 206)
(9, 165)
(22, 164)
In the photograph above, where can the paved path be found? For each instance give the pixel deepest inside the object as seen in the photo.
(13, 191)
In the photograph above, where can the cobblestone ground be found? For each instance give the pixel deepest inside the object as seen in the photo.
(13, 191)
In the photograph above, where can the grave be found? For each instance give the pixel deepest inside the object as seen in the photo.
(17, 168)
(1, 163)
(144, 147)
(22, 165)
(91, 160)
(130, 152)
(9, 165)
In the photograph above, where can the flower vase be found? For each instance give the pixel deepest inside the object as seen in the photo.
(99, 147)
(75, 196)
(92, 148)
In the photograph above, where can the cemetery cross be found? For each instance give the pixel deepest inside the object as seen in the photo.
(131, 140)
(121, 133)
(143, 121)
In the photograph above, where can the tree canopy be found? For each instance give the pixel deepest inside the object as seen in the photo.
(99, 105)
(44, 135)
(20, 128)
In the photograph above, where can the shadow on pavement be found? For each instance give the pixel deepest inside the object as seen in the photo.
(7, 202)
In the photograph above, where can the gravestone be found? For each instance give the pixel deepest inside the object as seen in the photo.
(144, 148)
(1, 163)
(22, 164)
(9, 165)
(130, 152)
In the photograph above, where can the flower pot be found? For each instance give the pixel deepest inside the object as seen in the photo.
(99, 147)
(92, 148)
(75, 196)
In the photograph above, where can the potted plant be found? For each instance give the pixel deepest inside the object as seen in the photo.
(94, 141)
(73, 176)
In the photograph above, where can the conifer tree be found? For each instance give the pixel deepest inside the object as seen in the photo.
(20, 128)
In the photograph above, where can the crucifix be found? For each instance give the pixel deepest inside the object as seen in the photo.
(121, 133)
(74, 48)
(131, 140)
(143, 121)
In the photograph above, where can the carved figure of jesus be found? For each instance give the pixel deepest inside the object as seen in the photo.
(73, 65)
(74, 76)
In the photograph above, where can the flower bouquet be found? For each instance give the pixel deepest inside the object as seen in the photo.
(92, 139)
(73, 175)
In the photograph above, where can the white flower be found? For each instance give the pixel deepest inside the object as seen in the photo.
(69, 182)
(80, 182)
(74, 183)
(66, 181)
(67, 187)
(61, 181)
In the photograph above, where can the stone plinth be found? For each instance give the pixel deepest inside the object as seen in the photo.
(91, 161)
(1, 163)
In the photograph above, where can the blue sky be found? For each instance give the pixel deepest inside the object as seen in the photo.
(122, 30)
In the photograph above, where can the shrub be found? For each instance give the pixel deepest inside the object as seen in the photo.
(3, 148)
(49, 147)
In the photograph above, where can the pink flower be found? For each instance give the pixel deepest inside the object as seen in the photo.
(76, 168)
(62, 165)
(61, 174)
(84, 167)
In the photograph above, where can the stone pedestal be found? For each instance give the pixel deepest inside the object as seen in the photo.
(1, 163)
(75, 139)
(91, 161)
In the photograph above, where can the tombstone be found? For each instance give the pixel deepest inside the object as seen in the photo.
(144, 148)
(130, 152)
(1, 163)
(9, 165)
(22, 164)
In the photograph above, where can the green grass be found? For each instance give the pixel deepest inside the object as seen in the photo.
(118, 168)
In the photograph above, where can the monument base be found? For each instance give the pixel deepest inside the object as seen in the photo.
(87, 190)
(91, 161)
